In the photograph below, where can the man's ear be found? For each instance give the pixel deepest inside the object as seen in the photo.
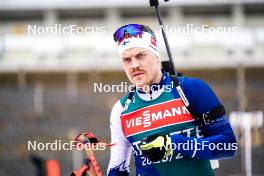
(158, 60)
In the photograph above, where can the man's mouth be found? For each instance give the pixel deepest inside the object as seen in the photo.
(137, 74)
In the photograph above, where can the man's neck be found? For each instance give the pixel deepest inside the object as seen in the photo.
(157, 80)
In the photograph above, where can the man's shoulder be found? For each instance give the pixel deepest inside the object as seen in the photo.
(199, 94)
(120, 103)
(123, 99)
(196, 88)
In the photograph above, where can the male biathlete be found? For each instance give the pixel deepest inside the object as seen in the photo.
(153, 123)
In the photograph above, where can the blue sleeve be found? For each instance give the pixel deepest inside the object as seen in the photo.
(201, 96)
(219, 141)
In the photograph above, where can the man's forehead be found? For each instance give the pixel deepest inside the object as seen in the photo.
(133, 51)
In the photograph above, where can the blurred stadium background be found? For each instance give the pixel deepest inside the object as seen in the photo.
(47, 81)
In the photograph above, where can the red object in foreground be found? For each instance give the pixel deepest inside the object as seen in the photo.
(81, 172)
(92, 168)
(53, 168)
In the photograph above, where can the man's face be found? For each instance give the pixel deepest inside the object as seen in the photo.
(142, 67)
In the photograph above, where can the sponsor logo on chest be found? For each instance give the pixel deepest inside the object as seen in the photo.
(155, 116)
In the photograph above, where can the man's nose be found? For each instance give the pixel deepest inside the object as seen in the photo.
(134, 63)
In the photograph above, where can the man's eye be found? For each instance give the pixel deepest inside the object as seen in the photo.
(141, 55)
(125, 59)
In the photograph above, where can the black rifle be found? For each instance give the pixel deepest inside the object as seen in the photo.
(167, 66)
